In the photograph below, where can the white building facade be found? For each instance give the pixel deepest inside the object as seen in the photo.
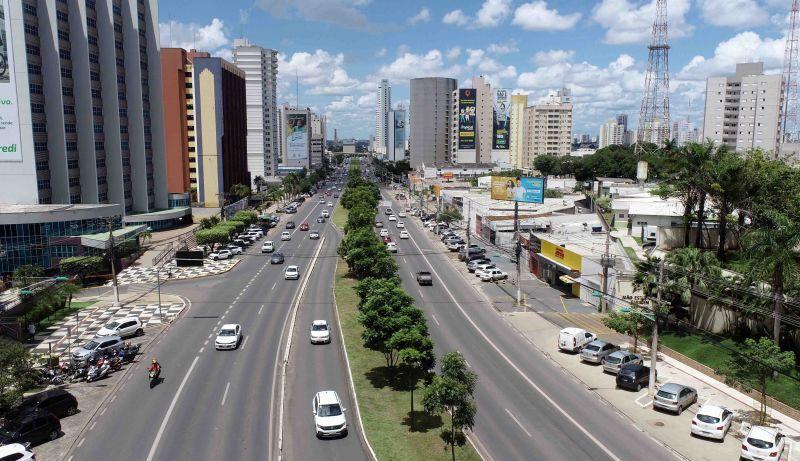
(611, 134)
(383, 106)
(548, 127)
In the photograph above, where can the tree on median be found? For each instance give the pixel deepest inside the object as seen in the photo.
(360, 216)
(416, 356)
(632, 323)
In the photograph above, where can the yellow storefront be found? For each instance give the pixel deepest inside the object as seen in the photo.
(559, 266)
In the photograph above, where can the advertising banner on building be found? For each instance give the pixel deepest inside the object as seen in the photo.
(466, 118)
(530, 190)
(296, 137)
(500, 141)
(399, 131)
(484, 182)
(10, 150)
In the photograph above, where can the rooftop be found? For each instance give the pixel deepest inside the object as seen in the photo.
(659, 208)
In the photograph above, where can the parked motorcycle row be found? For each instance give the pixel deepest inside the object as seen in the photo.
(89, 370)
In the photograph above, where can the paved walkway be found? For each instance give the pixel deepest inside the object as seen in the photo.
(150, 274)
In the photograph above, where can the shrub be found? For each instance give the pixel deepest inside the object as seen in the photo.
(211, 236)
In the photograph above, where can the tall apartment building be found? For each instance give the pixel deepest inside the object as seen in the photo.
(221, 127)
(684, 131)
(743, 111)
(515, 152)
(483, 100)
(383, 106)
(548, 127)
(430, 136)
(318, 139)
(83, 122)
(396, 141)
(612, 133)
(175, 74)
(260, 66)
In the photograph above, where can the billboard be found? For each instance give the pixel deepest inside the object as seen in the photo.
(500, 139)
(296, 136)
(466, 118)
(529, 190)
(484, 182)
(10, 150)
(399, 134)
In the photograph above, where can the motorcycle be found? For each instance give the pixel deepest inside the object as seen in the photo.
(128, 352)
(154, 377)
(98, 371)
(115, 363)
(79, 373)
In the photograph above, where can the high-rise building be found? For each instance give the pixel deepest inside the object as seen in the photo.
(743, 111)
(479, 100)
(612, 133)
(260, 66)
(548, 127)
(296, 138)
(318, 139)
(684, 131)
(515, 153)
(221, 126)
(622, 119)
(175, 74)
(430, 136)
(82, 105)
(382, 109)
(397, 135)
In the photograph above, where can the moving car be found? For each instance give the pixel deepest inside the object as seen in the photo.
(325, 214)
(378, 223)
(330, 204)
(290, 224)
(388, 212)
(97, 347)
(712, 421)
(597, 351)
(277, 258)
(57, 401)
(268, 247)
(285, 236)
(620, 359)
(124, 327)
(228, 337)
(763, 444)
(387, 239)
(401, 214)
(392, 218)
(30, 429)
(16, 452)
(321, 219)
(313, 235)
(674, 397)
(320, 333)
(403, 234)
(424, 278)
(401, 225)
(291, 273)
(384, 232)
(634, 376)
(573, 339)
(329, 417)
(492, 275)
(391, 247)
(221, 254)
(304, 226)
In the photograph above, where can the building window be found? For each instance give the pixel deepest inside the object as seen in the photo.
(90, 4)
(62, 16)
(40, 146)
(126, 161)
(91, 23)
(92, 40)
(123, 129)
(70, 128)
(94, 59)
(96, 93)
(121, 79)
(31, 29)
(42, 165)
(43, 184)
(75, 198)
(121, 96)
(99, 145)
(123, 111)
(30, 9)
(97, 111)
(103, 197)
(72, 146)
(32, 49)
(34, 69)
(39, 127)
(101, 180)
(117, 44)
(100, 162)
(95, 76)
(66, 73)
(125, 145)
(117, 27)
(66, 90)
(37, 108)
(98, 128)
(72, 164)
(63, 34)
(35, 88)
(74, 181)
(117, 9)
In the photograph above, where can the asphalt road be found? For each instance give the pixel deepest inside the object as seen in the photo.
(212, 404)
(527, 408)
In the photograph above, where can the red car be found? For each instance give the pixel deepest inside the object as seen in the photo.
(304, 226)
(387, 239)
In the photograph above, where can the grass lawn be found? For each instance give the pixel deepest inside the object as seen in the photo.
(385, 411)
(638, 240)
(339, 215)
(713, 353)
(631, 253)
(74, 307)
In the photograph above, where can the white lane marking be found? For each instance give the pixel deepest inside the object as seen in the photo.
(209, 335)
(259, 309)
(70, 458)
(433, 316)
(223, 317)
(274, 285)
(519, 371)
(91, 428)
(218, 322)
(160, 432)
(113, 397)
(244, 343)
(201, 350)
(225, 395)
(518, 423)
(81, 442)
(104, 411)
(205, 343)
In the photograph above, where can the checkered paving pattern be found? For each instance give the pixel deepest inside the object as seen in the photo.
(142, 274)
(91, 320)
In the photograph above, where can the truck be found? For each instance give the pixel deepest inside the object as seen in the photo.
(424, 278)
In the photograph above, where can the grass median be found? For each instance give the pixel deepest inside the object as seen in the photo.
(339, 215)
(384, 410)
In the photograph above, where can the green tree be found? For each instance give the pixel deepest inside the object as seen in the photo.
(259, 182)
(360, 216)
(248, 217)
(26, 274)
(145, 236)
(632, 323)
(239, 190)
(16, 373)
(450, 215)
(727, 187)
(358, 238)
(691, 269)
(212, 236)
(416, 355)
(452, 392)
(384, 314)
(548, 165)
(756, 364)
(772, 256)
(82, 266)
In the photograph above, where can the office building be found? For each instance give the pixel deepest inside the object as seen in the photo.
(396, 140)
(296, 139)
(684, 131)
(318, 140)
(175, 70)
(515, 153)
(479, 102)
(612, 133)
(743, 111)
(622, 119)
(548, 127)
(430, 122)
(221, 128)
(260, 66)
(383, 106)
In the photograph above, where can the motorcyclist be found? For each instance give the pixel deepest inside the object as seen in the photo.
(155, 369)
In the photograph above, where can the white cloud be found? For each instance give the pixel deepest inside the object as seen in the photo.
(323, 71)
(367, 100)
(381, 53)
(342, 12)
(535, 16)
(424, 15)
(733, 13)
(632, 22)
(453, 53)
(412, 65)
(492, 13)
(343, 103)
(456, 17)
(211, 37)
(503, 48)
(479, 62)
(548, 58)
(743, 47)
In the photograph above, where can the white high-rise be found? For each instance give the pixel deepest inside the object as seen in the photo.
(684, 131)
(612, 133)
(548, 127)
(518, 104)
(261, 78)
(383, 106)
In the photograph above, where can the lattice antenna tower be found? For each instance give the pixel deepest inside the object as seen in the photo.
(789, 126)
(654, 122)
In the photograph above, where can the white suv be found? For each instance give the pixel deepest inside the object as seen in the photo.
(320, 333)
(329, 420)
(124, 327)
(286, 236)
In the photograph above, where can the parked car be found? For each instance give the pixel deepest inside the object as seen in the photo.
(290, 224)
(424, 278)
(473, 265)
(620, 359)
(241, 243)
(482, 267)
(30, 429)
(277, 258)
(57, 401)
(403, 234)
(234, 249)
(16, 452)
(574, 339)
(391, 247)
(291, 273)
(674, 397)
(97, 347)
(221, 254)
(268, 247)
(712, 421)
(597, 351)
(124, 327)
(329, 417)
(320, 333)
(634, 376)
(285, 236)
(228, 337)
(454, 245)
(763, 444)
(379, 224)
(472, 250)
(304, 226)
(493, 275)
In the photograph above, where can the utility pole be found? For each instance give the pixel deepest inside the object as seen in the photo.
(111, 258)
(654, 342)
(517, 252)
(606, 261)
(469, 220)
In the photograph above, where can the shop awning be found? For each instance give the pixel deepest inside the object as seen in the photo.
(557, 264)
(567, 279)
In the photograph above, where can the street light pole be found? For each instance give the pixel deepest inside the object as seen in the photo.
(113, 266)
(654, 339)
(517, 252)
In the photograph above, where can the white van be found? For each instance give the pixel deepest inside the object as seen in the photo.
(573, 339)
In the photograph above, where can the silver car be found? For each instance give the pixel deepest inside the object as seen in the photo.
(619, 359)
(97, 347)
(597, 351)
(674, 397)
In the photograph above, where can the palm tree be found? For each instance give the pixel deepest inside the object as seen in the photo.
(773, 257)
(727, 187)
(691, 269)
(145, 235)
(687, 179)
(259, 182)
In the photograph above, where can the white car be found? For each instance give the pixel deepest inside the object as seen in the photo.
(329, 420)
(403, 234)
(482, 267)
(228, 337)
(401, 214)
(330, 204)
(234, 249)
(291, 273)
(268, 247)
(573, 339)
(16, 452)
(221, 254)
(401, 225)
(325, 214)
(391, 247)
(491, 275)
(285, 235)
(320, 333)
(392, 218)
(712, 421)
(384, 232)
(763, 444)
(124, 327)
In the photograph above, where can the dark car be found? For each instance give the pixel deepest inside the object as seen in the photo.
(424, 278)
(633, 377)
(290, 224)
(321, 219)
(31, 428)
(304, 226)
(57, 401)
(277, 258)
(335, 195)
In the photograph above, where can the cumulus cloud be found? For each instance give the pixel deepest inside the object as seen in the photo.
(548, 58)
(381, 53)
(453, 53)
(322, 70)
(536, 16)
(456, 17)
(743, 47)
(733, 13)
(424, 15)
(492, 13)
(345, 13)
(628, 21)
(503, 48)
(211, 37)
(412, 65)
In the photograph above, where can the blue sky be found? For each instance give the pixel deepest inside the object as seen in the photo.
(340, 49)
